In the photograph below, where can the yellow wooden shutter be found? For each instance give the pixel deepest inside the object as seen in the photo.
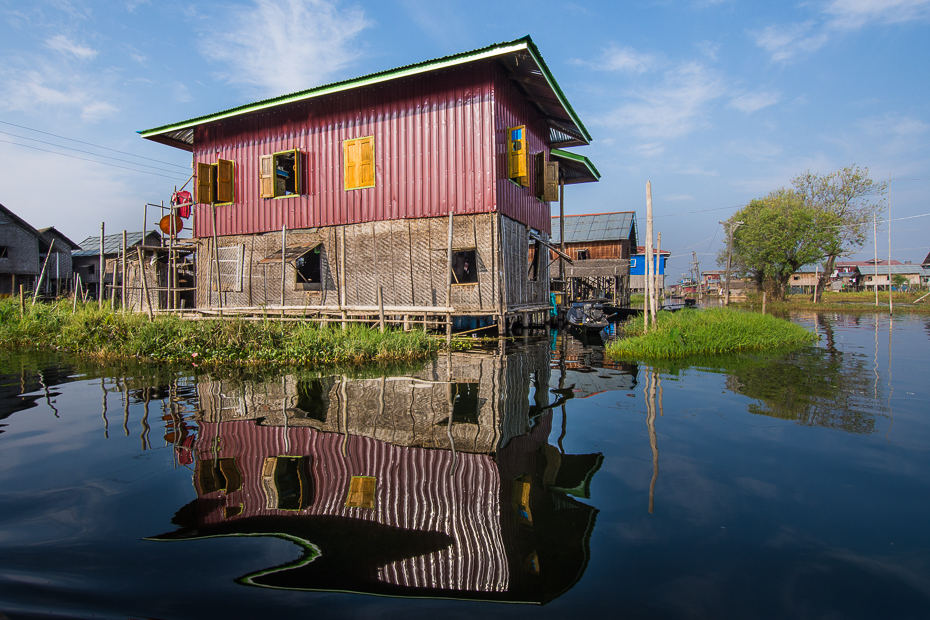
(298, 188)
(224, 180)
(516, 150)
(205, 183)
(551, 181)
(351, 163)
(539, 185)
(266, 176)
(361, 492)
(366, 162)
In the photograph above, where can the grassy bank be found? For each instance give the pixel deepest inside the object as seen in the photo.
(711, 331)
(844, 302)
(104, 334)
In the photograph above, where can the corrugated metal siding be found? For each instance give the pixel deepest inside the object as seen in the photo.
(510, 110)
(416, 489)
(434, 149)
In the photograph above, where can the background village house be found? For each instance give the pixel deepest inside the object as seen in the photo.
(600, 245)
(638, 269)
(24, 251)
(87, 258)
(365, 182)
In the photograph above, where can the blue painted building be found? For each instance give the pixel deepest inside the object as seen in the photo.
(638, 268)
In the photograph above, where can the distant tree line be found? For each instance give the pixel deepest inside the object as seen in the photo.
(819, 219)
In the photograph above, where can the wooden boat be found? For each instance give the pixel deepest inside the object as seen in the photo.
(587, 316)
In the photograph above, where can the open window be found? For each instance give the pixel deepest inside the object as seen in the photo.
(279, 174)
(219, 475)
(4, 251)
(307, 270)
(307, 260)
(359, 155)
(582, 255)
(215, 182)
(516, 155)
(465, 266)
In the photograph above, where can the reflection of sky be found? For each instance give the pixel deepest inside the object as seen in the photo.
(754, 516)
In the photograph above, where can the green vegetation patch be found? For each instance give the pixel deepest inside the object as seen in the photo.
(104, 334)
(705, 332)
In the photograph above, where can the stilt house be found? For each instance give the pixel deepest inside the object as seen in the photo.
(19, 253)
(600, 245)
(420, 190)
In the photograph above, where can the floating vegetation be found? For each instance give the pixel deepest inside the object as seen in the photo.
(105, 334)
(705, 332)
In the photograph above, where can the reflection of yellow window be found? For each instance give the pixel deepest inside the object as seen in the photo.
(215, 182)
(219, 475)
(361, 492)
(521, 502)
(285, 482)
(359, 162)
(531, 563)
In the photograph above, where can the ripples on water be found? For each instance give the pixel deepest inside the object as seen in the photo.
(538, 473)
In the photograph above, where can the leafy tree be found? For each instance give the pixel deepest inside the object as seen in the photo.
(850, 195)
(899, 281)
(779, 234)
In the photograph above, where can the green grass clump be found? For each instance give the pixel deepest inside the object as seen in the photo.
(705, 332)
(104, 334)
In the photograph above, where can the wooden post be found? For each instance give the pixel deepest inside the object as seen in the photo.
(22, 301)
(565, 301)
(216, 261)
(647, 289)
(381, 309)
(75, 279)
(763, 302)
(655, 272)
(145, 286)
(42, 273)
(342, 276)
(449, 282)
(283, 264)
(123, 254)
(100, 273)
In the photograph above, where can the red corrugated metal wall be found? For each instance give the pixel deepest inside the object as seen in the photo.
(512, 109)
(435, 144)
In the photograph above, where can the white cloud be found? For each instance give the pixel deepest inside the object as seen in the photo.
(279, 47)
(752, 102)
(47, 86)
(65, 45)
(625, 59)
(853, 14)
(787, 42)
(674, 108)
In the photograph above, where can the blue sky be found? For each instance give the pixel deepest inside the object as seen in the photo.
(715, 101)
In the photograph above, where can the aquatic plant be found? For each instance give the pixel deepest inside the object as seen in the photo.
(105, 334)
(710, 331)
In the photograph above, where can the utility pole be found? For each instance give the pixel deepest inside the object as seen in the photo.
(696, 274)
(731, 228)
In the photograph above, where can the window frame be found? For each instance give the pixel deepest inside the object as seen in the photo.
(517, 158)
(474, 254)
(270, 176)
(212, 186)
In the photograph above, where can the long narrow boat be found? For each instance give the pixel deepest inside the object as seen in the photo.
(587, 316)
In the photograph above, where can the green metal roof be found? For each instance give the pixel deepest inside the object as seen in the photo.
(536, 80)
(575, 168)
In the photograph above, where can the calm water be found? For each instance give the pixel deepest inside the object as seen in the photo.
(790, 486)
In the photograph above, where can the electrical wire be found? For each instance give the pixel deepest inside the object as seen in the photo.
(102, 163)
(158, 161)
(70, 148)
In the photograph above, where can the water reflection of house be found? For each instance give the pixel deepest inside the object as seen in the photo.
(386, 493)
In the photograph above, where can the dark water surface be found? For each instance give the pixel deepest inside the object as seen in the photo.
(786, 486)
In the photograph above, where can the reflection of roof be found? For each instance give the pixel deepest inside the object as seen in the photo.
(596, 227)
(520, 59)
(111, 243)
(587, 382)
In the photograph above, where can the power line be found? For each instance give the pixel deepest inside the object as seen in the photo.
(61, 146)
(94, 161)
(701, 211)
(168, 163)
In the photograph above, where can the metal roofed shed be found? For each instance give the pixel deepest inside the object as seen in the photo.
(113, 243)
(597, 227)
